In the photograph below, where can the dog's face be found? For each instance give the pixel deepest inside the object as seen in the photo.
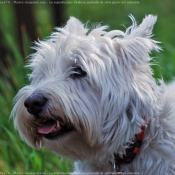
(87, 90)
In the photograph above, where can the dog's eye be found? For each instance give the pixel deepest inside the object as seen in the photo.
(77, 72)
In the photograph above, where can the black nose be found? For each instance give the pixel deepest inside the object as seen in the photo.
(35, 103)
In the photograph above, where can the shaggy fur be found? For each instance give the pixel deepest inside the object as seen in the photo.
(106, 104)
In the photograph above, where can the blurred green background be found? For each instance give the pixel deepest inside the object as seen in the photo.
(21, 24)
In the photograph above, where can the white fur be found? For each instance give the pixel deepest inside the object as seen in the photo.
(119, 79)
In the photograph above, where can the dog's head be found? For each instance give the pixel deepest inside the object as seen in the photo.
(89, 88)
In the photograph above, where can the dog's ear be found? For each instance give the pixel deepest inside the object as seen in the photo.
(135, 44)
(74, 26)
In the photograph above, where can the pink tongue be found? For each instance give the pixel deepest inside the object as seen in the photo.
(46, 128)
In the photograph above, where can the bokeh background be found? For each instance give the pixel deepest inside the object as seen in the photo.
(22, 22)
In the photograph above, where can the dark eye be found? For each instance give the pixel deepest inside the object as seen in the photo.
(77, 72)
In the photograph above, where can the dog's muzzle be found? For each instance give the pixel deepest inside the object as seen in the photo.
(48, 125)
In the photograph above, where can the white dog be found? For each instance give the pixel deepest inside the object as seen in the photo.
(92, 98)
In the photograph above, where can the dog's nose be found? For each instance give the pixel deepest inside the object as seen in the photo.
(35, 103)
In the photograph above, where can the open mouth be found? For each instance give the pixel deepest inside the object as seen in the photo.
(52, 129)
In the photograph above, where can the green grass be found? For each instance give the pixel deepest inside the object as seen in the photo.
(15, 155)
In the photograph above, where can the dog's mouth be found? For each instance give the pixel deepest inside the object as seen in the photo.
(53, 129)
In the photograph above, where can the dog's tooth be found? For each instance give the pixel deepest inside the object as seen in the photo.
(40, 144)
(58, 124)
(37, 144)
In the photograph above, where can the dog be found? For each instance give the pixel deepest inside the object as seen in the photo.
(93, 99)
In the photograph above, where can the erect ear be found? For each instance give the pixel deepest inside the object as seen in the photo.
(135, 44)
(74, 26)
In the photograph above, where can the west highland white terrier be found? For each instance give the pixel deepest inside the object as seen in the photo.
(93, 99)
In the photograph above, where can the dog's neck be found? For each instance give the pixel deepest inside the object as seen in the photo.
(131, 152)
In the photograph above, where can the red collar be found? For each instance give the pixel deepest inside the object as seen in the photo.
(131, 152)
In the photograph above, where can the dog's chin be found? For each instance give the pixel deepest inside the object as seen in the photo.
(53, 129)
